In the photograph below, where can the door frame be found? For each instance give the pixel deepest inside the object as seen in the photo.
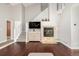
(12, 30)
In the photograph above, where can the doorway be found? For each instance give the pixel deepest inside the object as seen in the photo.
(8, 30)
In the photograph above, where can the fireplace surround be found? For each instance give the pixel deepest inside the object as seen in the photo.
(48, 32)
(48, 36)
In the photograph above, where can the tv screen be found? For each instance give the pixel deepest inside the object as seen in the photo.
(34, 25)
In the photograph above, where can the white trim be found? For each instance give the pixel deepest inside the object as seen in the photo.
(6, 45)
(74, 47)
(69, 46)
(3, 41)
(65, 44)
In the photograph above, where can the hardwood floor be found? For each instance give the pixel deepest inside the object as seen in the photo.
(13, 49)
(23, 49)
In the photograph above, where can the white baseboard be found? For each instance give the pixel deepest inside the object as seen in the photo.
(69, 46)
(6, 45)
(65, 44)
(74, 47)
(3, 41)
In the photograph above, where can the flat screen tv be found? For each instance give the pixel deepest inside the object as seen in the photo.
(34, 25)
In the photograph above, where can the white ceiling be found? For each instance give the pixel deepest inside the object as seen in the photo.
(25, 4)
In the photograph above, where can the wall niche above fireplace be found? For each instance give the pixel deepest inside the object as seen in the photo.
(48, 31)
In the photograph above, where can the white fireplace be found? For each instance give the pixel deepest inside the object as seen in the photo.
(48, 33)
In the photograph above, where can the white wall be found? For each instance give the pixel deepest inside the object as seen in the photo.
(68, 32)
(53, 17)
(14, 14)
(3, 37)
(42, 15)
(23, 19)
(4, 16)
(65, 26)
(32, 11)
(17, 16)
(75, 28)
(53, 12)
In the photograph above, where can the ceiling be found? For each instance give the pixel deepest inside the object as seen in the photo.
(25, 4)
